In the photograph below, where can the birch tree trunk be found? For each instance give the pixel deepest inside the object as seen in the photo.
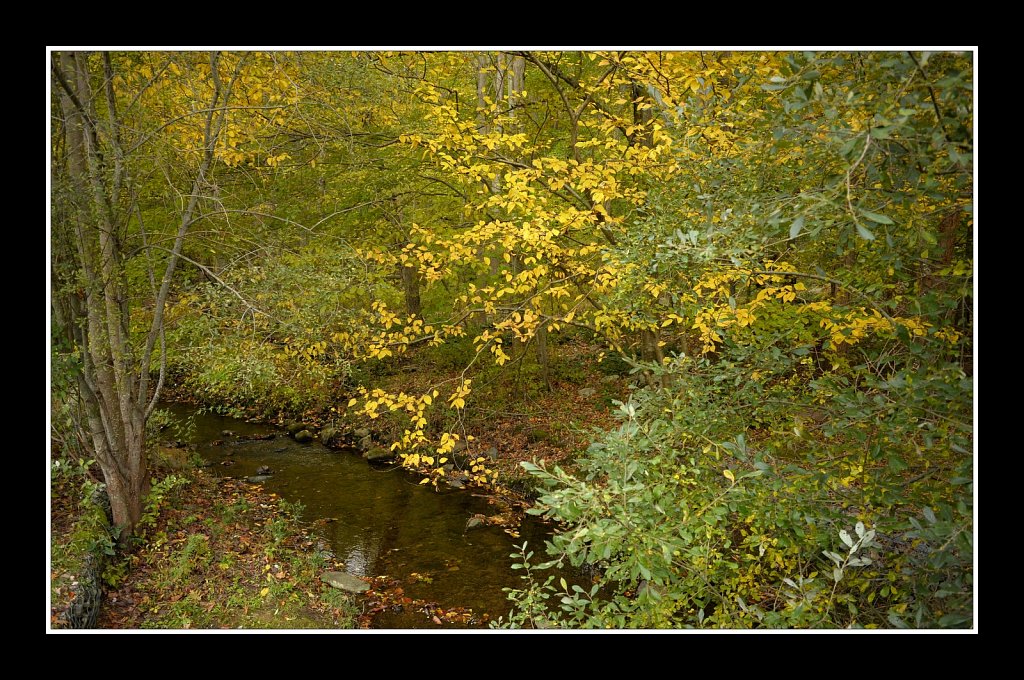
(90, 301)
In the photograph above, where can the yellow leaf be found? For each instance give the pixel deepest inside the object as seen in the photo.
(263, 593)
(425, 480)
(352, 402)
(730, 476)
(427, 399)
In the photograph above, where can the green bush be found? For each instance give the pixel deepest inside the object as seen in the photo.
(696, 522)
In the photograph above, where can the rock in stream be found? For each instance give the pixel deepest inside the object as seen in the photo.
(345, 581)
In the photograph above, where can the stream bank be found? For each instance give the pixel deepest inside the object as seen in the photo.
(423, 551)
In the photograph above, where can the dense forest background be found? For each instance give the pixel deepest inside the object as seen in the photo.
(777, 249)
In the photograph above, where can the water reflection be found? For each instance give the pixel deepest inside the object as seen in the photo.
(380, 520)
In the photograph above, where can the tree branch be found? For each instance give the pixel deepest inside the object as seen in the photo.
(931, 92)
(826, 279)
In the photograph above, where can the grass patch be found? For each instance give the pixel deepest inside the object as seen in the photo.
(217, 554)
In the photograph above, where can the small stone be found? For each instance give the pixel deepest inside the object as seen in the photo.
(586, 391)
(609, 378)
(345, 581)
(366, 443)
(491, 453)
(257, 479)
(303, 436)
(264, 470)
(361, 432)
(294, 427)
(378, 454)
(227, 433)
(474, 522)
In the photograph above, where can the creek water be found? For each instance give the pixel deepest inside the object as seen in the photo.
(381, 520)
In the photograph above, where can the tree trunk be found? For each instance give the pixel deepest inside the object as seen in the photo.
(91, 291)
(650, 340)
(504, 85)
(100, 325)
(411, 288)
(650, 350)
(543, 360)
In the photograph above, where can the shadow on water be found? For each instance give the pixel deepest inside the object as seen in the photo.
(381, 520)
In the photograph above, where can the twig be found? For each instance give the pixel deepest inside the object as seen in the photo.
(849, 176)
(931, 93)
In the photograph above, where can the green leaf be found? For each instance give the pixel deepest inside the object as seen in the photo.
(896, 621)
(954, 619)
(875, 217)
(565, 586)
(929, 515)
(865, 233)
(794, 229)
(897, 464)
(845, 536)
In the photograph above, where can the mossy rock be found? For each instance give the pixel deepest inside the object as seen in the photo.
(294, 427)
(378, 454)
(303, 436)
(170, 457)
(327, 435)
(538, 435)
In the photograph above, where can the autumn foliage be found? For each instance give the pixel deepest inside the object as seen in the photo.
(779, 245)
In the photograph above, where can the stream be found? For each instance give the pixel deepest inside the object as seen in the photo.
(381, 520)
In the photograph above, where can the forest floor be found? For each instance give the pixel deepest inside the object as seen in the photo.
(217, 554)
